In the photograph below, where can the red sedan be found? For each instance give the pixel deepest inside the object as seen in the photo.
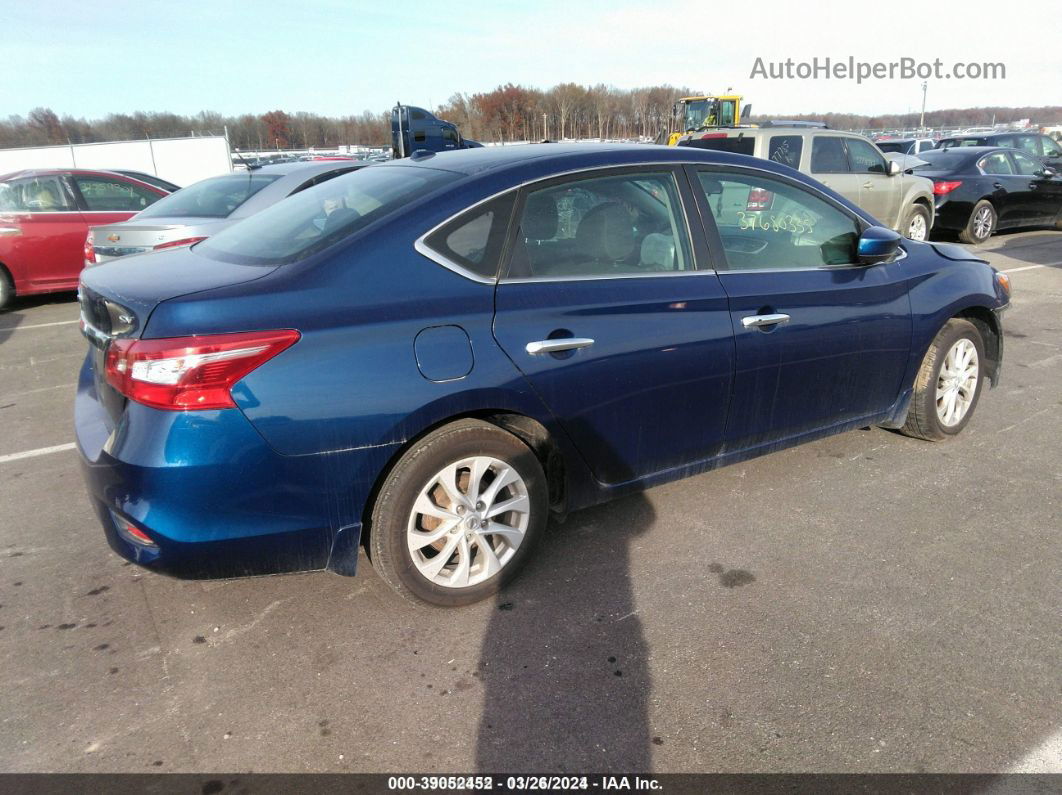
(44, 217)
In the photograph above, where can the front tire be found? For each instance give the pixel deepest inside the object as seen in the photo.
(457, 517)
(916, 227)
(982, 223)
(949, 383)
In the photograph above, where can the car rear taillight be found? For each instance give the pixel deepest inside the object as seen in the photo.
(186, 373)
(90, 249)
(945, 186)
(188, 241)
(759, 199)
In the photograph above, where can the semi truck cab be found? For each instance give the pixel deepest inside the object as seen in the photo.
(414, 129)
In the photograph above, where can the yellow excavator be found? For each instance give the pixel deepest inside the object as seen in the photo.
(705, 111)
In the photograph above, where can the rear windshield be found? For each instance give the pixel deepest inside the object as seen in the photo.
(216, 197)
(941, 159)
(739, 146)
(894, 146)
(309, 221)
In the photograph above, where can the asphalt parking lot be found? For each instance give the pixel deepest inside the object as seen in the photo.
(868, 602)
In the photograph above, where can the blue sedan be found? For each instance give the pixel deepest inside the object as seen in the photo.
(429, 357)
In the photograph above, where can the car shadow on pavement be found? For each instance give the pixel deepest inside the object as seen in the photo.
(14, 315)
(564, 661)
(1044, 248)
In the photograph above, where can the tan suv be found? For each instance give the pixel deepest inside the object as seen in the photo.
(848, 163)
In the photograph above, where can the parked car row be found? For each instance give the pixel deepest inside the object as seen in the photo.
(53, 222)
(45, 215)
(471, 341)
(1008, 180)
(846, 162)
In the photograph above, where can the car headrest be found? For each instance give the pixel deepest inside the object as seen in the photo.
(540, 217)
(606, 233)
(658, 252)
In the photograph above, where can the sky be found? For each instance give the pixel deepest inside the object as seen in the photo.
(339, 58)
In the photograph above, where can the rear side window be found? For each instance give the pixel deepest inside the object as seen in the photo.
(474, 239)
(314, 219)
(216, 197)
(102, 194)
(602, 226)
(34, 195)
(785, 149)
(827, 155)
(996, 163)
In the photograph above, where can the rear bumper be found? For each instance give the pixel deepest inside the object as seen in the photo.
(214, 498)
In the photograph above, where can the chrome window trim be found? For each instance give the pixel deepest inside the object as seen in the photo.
(899, 257)
(424, 249)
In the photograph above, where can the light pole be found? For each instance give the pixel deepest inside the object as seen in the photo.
(922, 118)
(545, 134)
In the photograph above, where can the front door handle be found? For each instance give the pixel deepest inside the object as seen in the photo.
(759, 321)
(557, 345)
(997, 185)
(868, 184)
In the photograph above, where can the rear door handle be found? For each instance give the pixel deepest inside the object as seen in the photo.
(557, 345)
(997, 185)
(758, 321)
(868, 184)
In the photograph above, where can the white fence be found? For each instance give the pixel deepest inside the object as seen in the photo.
(179, 160)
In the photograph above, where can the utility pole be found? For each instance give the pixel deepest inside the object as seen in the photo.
(545, 133)
(922, 118)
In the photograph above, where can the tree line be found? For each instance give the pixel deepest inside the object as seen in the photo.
(508, 113)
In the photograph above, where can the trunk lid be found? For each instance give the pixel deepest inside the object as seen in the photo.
(132, 237)
(118, 297)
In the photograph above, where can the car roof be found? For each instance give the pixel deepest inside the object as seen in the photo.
(306, 167)
(47, 172)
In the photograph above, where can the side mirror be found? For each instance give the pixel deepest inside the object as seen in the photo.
(894, 168)
(877, 244)
(1048, 171)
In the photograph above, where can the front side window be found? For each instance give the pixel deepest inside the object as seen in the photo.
(768, 224)
(865, 159)
(785, 149)
(102, 194)
(1027, 166)
(619, 225)
(314, 219)
(827, 155)
(449, 135)
(1051, 148)
(996, 163)
(217, 197)
(474, 239)
(34, 195)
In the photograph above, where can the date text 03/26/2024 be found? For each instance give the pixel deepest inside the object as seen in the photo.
(522, 783)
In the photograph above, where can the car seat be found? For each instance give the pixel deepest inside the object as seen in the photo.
(539, 223)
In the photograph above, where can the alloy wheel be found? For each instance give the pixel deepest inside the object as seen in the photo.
(468, 522)
(957, 382)
(917, 228)
(982, 225)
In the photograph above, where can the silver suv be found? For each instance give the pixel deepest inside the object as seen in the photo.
(845, 162)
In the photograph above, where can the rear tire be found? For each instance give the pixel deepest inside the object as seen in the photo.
(948, 384)
(438, 501)
(7, 288)
(916, 226)
(982, 223)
